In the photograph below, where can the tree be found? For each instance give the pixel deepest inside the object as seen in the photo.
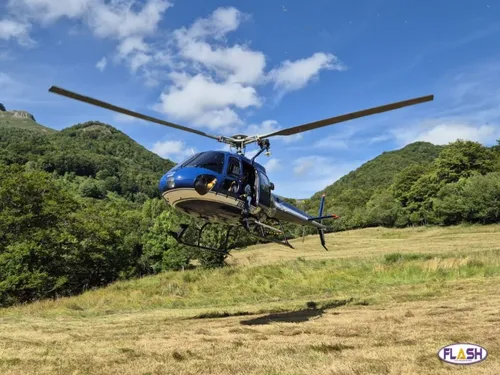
(161, 251)
(419, 206)
(462, 159)
(474, 200)
(404, 181)
(35, 214)
(382, 209)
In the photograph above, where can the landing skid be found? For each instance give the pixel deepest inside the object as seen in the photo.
(258, 230)
(223, 249)
(258, 226)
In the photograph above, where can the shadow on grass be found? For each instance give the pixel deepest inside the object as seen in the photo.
(298, 316)
(295, 316)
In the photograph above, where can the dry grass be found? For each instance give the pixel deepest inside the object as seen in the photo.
(375, 241)
(416, 305)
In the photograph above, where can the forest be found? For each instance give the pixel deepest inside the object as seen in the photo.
(80, 208)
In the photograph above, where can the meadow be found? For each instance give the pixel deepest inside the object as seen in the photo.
(379, 301)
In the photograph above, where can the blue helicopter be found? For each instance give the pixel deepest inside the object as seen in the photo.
(227, 188)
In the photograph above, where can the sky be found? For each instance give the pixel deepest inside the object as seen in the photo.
(252, 67)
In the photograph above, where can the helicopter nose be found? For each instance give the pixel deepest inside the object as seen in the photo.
(167, 182)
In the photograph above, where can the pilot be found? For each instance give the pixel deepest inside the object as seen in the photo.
(234, 187)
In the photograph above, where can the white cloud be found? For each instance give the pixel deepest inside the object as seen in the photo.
(209, 83)
(217, 25)
(444, 133)
(251, 153)
(305, 165)
(114, 19)
(125, 119)
(265, 127)
(333, 143)
(9, 86)
(295, 75)
(379, 138)
(205, 102)
(214, 82)
(237, 64)
(118, 19)
(310, 174)
(271, 126)
(19, 31)
(48, 11)
(101, 64)
(468, 109)
(173, 150)
(273, 165)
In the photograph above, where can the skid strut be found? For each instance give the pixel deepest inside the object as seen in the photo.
(182, 231)
(262, 235)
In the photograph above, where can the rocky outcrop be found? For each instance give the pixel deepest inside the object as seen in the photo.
(17, 114)
(22, 114)
(2, 108)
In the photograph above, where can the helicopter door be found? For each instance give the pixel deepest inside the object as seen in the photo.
(256, 188)
(233, 173)
(263, 188)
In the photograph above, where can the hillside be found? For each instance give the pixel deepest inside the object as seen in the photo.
(378, 192)
(375, 174)
(106, 157)
(380, 171)
(20, 120)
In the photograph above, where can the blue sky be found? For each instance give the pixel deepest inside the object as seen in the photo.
(250, 67)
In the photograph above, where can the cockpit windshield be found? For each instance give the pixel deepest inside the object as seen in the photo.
(212, 160)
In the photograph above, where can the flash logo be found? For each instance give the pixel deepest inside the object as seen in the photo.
(462, 354)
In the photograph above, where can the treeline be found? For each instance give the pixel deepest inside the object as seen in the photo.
(81, 208)
(460, 185)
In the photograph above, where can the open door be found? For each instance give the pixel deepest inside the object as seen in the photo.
(263, 188)
(257, 188)
(232, 176)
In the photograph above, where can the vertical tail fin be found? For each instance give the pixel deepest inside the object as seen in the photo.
(320, 214)
(321, 206)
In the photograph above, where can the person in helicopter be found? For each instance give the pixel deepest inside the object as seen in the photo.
(247, 195)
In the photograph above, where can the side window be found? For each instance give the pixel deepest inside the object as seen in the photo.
(264, 181)
(233, 167)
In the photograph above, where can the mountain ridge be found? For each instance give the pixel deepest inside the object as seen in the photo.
(20, 119)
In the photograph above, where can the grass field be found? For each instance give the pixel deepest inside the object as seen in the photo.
(380, 301)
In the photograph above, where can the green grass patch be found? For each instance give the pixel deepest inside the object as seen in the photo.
(405, 257)
(362, 279)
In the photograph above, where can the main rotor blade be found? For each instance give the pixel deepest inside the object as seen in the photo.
(99, 103)
(349, 116)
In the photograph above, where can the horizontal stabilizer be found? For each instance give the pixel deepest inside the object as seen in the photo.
(333, 216)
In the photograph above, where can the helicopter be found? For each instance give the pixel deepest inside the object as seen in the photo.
(224, 187)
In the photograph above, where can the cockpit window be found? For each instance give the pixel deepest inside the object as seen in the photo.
(210, 160)
(233, 168)
(189, 160)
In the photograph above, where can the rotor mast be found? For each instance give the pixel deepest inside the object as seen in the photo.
(240, 141)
